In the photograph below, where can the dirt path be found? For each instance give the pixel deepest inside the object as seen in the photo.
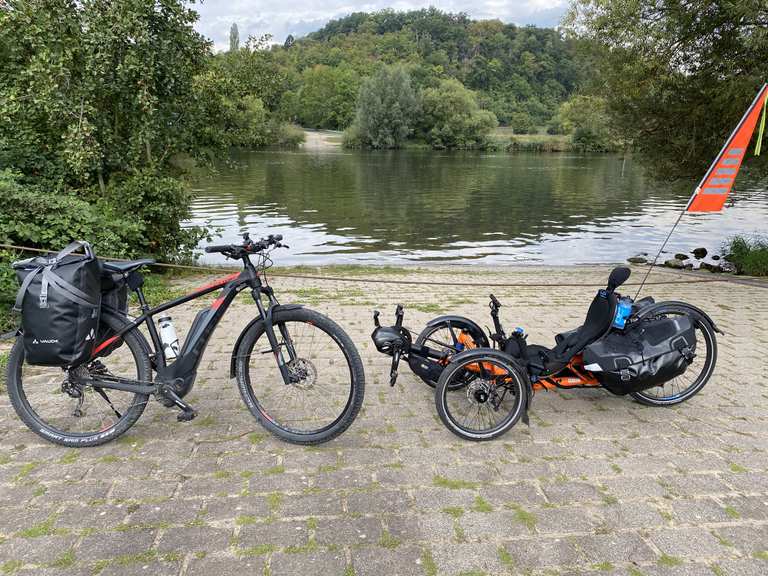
(322, 140)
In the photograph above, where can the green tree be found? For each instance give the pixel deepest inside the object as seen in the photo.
(586, 119)
(452, 117)
(386, 110)
(234, 38)
(94, 95)
(327, 96)
(676, 74)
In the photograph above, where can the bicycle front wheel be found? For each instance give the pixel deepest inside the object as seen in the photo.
(327, 382)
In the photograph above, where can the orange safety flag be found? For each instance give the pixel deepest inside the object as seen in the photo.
(713, 190)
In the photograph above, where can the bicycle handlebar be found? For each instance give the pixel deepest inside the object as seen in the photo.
(247, 247)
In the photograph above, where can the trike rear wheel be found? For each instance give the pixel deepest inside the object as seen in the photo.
(695, 377)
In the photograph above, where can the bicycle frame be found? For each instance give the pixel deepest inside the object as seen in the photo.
(182, 371)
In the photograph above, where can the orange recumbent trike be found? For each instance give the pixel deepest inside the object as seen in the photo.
(659, 353)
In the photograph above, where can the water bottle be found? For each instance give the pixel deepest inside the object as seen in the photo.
(623, 310)
(169, 338)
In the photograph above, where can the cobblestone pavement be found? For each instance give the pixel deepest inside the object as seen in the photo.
(597, 484)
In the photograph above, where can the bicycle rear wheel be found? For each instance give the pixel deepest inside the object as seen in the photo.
(56, 405)
(327, 379)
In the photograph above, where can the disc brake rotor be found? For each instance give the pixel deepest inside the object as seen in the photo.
(478, 392)
(302, 373)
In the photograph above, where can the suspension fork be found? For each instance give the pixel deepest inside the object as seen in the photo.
(266, 314)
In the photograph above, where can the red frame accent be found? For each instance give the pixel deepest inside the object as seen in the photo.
(216, 283)
(103, 345)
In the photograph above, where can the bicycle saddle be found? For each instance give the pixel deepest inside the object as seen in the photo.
(127, 266)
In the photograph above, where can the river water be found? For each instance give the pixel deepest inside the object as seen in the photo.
(335, 207)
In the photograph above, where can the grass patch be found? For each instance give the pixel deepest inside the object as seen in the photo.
(431, 308)
(70, 457)
(428, 562)
(279, 469)
(3, 366)
(11, 567)
(245, 520)
(273, 501)
(749, 255)
(481, 505)
(506, 558)
(669, 561)
(256, 437)
(43, 529)
(604, 566)
(454, 511)
(527, 519)
(737, 468)
(732, 512)
(25, 471)
(259, 550)
(444, 482)
(139, 558)
(761, 555)
(388, 541)
(157, 288)
(205, 421)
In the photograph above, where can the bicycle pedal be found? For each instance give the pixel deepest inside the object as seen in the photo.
(186, 415)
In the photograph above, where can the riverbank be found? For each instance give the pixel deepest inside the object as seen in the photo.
(599, 479)
(502, 139)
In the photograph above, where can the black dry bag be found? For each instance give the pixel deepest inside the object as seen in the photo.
(59, 301)
(646, 354)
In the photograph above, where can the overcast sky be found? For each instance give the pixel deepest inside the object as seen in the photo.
(299, 17)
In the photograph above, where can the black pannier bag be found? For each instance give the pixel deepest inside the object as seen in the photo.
(59, 301)
(114, 300)
(645, 354)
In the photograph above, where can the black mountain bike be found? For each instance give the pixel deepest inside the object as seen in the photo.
(310, 393)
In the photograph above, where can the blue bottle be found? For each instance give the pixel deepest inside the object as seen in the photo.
(623, 310)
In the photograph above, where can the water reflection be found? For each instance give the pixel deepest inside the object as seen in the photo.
(405, 206)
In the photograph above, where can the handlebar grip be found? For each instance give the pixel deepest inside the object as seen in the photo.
(217, 248)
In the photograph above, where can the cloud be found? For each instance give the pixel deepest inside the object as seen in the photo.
(299, 17)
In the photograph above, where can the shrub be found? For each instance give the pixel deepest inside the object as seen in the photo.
(453, 118)
(38, 216)
(8, 288)
(287, 135)
(387, 107)
(750, 256)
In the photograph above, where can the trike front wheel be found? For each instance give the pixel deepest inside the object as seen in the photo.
(327, 382)
(481, 396)
(450, 337)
